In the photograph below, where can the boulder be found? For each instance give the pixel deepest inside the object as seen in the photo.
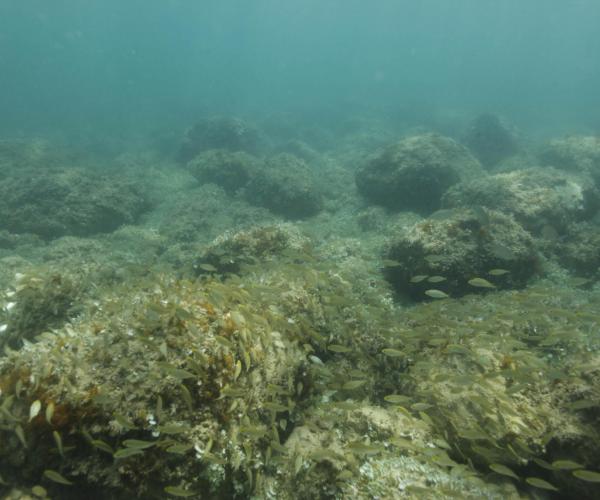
(541, 199)
(414, 173)
(445, 253)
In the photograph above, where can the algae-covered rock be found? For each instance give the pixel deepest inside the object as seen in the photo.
(232, 134)
(24, 154)
(442, 255)
(579, 250)
(357, 450)
(230, 251)
(490, 139)
(576, 153)
(510, 381)
(169, 385)
(67, 202)
(287, 186)
(40, 300)
(414, 173)
(230, 170)
(202, 213)
(541, 199)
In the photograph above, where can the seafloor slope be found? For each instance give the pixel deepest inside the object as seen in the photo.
(265, 316)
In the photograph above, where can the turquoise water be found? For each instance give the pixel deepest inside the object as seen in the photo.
(123, 67)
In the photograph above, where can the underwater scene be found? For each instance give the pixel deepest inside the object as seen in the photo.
(300, 249)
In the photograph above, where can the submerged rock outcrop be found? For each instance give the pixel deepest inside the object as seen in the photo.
(414, 173)
(220, 132)
(68, 201)
(542, 199)
(491, 140)
(460, 251)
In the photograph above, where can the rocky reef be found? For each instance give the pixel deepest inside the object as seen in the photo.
(460, 251)
(68, 201)
(491, 140)
(243, 325)
(414, 173)
(541, 199)
(220, 132)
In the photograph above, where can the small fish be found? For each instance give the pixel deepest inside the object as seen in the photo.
(323, 454)
(223, 342)
(359, 448)
(138, 444)
(481, 283)
(179, 448)
(566, 465)
(34, 409)
(436, 279)
(101, 445)
(540, 483)
(127, 452)
(49, 412)
(338, 348)
(276, 407)
(59, 443)
(457, 349)
(390, 263)
(472, 435)
(253, 431)
(172, 429)
(123, 421)
(56, 477)
(208, 268)
(187, 397)
(21, 435)
(418, 278)
(503, 470)
(345, 405)
(444, 460)
(587, 475)
(345, 475)
(396, 398)
(211, 457)
(436, 294)
(238, 369)
(498, 272)
(353, 384)
(39, 491)
(582, 404)
(578, 281)
(232, 392)
(393, 353)
(421, 406)
(402, 443)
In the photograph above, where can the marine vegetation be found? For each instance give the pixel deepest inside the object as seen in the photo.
(297, 373)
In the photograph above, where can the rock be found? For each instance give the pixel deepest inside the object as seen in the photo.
(490, 139)
(286, 186)
(541, 199)
(579, 250)
(576, 153)
(228, 252)
(68, 202)
(414, 173)
(457, 246)
(230, 170)
(233, 134)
